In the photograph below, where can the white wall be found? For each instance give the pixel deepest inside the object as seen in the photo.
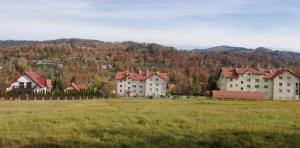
(155, 86)
(25, 79)
(288, 89)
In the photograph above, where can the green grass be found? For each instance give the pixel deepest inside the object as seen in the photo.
(149, 123)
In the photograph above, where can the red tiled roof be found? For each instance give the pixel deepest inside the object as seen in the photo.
(140, 76)
(268, 73)
(277, 72)
(39, 80)
(238, 95)
(78, 86)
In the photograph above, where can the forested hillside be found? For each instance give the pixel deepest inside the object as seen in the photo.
(84, 60)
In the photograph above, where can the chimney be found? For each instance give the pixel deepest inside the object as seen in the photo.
(147, 73)
(140, 71)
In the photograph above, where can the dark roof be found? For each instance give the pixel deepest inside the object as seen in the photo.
(3, 86)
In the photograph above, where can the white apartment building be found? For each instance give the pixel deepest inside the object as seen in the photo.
(276, 84)
(142, 84)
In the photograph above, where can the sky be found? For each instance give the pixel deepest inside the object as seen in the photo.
(180, 23)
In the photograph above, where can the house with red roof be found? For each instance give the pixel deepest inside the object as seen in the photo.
(31, 81)
(76, 86)
(277, 84)
(141, 84)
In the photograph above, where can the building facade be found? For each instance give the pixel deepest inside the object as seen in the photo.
(31, 81)
(277, 84)
(142, 84)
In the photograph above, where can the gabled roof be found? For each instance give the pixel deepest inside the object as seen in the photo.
(238, 95)
(78, 86)
(268, 73)
(141, 75)
(36, 78)
(278, 72)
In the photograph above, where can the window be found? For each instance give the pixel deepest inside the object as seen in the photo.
(297, 84)
(21, 85)
(156, 84)
(288, 77)
(280, 78)
(297, 92)
(156, 79)
(249, 80)
(128, 87)
(150, 89)
(230, 79)
(288, 84)
(249, 74)
(280, 84)
(280, 90)
(236, 85)
(150, 84)
(266, 86)
(289, 91)
(120, 85)
(242, 82)
(141, 81)
(266, 80)
(156, 89)
(29, 85)
(134, 91)
(230, 85)
(257, 80)
(128, 82)
(120, 91)
(256, 86)
(242, 88)
(141, 86)
(248, 86)
(134, 86)
(141, 91)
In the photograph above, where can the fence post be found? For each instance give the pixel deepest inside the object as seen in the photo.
(80, 98)
(27, 98)
(73, 98)
(43, 98)
(34, 98)
(58, 98)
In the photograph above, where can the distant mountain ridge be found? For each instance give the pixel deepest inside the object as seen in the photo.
(223, 48)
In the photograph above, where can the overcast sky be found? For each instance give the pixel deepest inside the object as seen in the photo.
(180, 23)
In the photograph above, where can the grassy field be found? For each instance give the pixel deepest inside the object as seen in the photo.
(149, 123)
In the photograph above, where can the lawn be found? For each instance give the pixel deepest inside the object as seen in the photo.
(149, 123)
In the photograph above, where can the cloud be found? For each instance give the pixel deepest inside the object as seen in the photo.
(179, 23)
